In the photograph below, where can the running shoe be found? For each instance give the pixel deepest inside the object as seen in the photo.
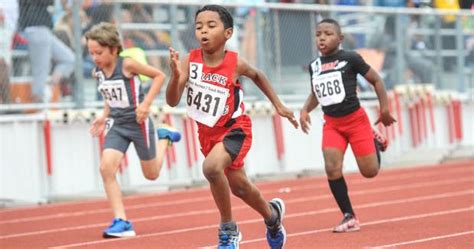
(168, 132)
(348, 224)
(119, 229)
(229, 239)
(380, 141)
(276, 234)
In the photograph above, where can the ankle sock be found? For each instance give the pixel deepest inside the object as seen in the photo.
(273, 219)
(229, 226)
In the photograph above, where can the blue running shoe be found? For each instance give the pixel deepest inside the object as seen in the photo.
(168, 132)
(119, 229)
(276, 234)
(229, 239)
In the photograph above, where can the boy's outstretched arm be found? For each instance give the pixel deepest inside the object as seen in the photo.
(309, 105)
(259, 78)
(374, 79)
(178, 79)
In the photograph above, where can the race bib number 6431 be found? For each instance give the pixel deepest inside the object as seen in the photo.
(205, 102)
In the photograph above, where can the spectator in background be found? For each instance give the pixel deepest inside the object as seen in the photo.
(348, 2)
(393, 3)
(248, 31)
(63, 29)
(448, 42)
(466, 4)
(469, 25)
(97, 11)
(43, 48)
(421, 3)
(146, 39)
(8, 21)
(422, 68)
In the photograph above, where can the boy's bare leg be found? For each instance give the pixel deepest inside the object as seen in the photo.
(248, 192)
(108, 169)
(213, 168)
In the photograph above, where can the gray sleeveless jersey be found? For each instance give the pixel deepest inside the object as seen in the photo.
(122, 94)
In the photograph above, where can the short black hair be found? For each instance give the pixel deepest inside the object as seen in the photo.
(333, 22)
(224, 14)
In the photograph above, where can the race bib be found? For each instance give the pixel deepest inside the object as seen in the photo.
(329, 88)
(115, 93)
(205, 102)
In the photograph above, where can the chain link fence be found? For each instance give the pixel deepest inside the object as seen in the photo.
(404, 45)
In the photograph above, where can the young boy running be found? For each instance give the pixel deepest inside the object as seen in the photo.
(209, 77)
(125, 118)
(333, 84)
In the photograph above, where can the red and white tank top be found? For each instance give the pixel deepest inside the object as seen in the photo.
(212, 98)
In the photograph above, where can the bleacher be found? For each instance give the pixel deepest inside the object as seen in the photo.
(283, 58)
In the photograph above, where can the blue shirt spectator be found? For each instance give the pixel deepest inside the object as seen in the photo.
(393, 3)
(348, 2)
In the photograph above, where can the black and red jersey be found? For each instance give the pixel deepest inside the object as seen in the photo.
(334, 81)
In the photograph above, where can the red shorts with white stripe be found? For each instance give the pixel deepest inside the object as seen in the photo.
(353, 129)
(237, 139)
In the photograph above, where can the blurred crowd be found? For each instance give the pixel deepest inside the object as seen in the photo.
(44, 28)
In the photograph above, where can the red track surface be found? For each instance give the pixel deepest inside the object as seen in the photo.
(422, 207)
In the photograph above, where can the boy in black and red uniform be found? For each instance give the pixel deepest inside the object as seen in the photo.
(209, 78)
(333, 84)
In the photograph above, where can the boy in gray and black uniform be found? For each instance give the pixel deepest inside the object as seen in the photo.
(122, 95)
(125, 118)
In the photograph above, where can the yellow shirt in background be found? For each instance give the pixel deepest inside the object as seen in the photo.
(137, 54)
(447, 4)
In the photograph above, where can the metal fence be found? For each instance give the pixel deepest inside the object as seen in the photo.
(404, 45)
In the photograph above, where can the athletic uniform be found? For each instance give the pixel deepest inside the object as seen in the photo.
(334, 83)
(123, 95)
(215, 102)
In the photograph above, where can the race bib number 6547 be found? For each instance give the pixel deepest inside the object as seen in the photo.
(115, 93)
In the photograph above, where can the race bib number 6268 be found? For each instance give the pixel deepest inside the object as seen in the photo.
(329, 88)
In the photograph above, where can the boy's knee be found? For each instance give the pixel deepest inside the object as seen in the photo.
(106, 171)
(370, 173)
(211, 171)
(151, 175)
(333, 171)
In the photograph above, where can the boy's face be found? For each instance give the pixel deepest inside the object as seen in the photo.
(328, 38)
(210, 32)
(101, 55)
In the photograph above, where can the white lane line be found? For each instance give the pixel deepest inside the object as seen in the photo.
(422, 240)
(393, 173)
(376, 222)
(206, 199)
(294, 200)
(322, 211)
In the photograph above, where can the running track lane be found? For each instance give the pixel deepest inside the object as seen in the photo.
(48, 212)
(428, 197)
(184, 208)
(34, 223)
